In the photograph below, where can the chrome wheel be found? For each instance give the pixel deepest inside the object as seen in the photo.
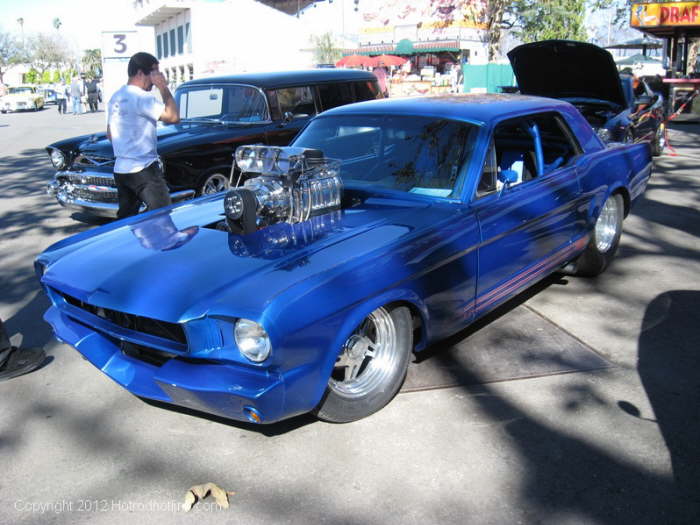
(368, 358)
(214, 183)
(607, 224)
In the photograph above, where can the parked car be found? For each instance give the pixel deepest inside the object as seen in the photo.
(22, 98)
(586, 75)
(217, 115)
(308, 287)
(49, 96)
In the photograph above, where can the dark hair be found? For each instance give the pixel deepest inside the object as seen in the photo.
(141, 62)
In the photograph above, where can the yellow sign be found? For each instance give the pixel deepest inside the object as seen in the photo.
(665, 14)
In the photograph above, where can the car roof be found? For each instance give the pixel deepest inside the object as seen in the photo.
(473, 107)
(288, 78)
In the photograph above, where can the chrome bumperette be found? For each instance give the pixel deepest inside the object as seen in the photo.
(93, 192)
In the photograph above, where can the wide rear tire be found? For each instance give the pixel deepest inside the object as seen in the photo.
(605, 239)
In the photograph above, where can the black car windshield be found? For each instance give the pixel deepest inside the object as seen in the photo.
(222, 103)
(423, 155)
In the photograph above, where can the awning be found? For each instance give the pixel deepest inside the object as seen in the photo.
(406, 47)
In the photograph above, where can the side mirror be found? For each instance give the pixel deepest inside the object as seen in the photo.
(506, 178)
(288, 116)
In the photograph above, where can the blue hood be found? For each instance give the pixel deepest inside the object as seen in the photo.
(172, 265)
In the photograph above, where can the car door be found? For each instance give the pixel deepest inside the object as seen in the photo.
(527, 226)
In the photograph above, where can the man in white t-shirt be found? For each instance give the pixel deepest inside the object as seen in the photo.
(133, 113)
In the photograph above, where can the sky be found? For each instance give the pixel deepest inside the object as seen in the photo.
(84, 20)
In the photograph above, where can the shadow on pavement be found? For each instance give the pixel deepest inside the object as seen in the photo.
(669, 367)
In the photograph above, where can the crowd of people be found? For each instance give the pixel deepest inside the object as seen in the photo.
(80, 96)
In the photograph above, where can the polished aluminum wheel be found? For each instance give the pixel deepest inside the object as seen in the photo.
(607, 224)
(369, 357)
(214, 184)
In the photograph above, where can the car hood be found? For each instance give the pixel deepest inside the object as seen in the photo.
(173, 137)
(566, 69)
(173, 266)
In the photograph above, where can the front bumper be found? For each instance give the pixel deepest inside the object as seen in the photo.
(93, 192)
(224, 389)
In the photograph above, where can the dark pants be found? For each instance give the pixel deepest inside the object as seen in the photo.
(147, 186)
(92, 101)
(61, 105)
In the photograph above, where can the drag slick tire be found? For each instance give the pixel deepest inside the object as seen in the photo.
(659, 142)
(370, 368)
(605, 239)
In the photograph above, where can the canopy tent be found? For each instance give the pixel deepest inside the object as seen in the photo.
(637, 59)
(643, 43)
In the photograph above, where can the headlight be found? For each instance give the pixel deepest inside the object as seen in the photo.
(58, 159)
(252, 340)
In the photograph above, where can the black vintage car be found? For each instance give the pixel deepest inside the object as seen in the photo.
(217, 115)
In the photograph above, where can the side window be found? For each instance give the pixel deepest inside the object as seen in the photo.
(514, 150)
(296, 100)
(367, 90)
(333, 95)
(487, 182)
(558, 144)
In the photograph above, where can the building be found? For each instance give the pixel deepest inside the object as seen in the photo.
(199, 38)
(450, 31)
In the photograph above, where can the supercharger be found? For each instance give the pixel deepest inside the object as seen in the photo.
(283, 184)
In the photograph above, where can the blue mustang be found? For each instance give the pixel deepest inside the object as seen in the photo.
(307, 288)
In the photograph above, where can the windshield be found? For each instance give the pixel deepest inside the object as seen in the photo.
(423, 155)
(14, 90)
(227, 103)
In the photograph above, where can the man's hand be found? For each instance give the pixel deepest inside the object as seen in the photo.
(171, 113)
(159, 80)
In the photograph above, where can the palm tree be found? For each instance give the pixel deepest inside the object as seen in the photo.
(20, 21)
(92, 62)
(57, 23)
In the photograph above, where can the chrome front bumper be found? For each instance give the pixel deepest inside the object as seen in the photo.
(93, 192)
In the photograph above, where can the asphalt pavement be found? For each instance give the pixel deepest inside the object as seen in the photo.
(610, 444)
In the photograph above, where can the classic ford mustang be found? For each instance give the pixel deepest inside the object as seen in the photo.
(386, 226)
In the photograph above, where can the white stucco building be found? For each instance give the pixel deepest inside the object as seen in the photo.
(199, 38)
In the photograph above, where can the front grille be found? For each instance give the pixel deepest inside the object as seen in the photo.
(78, 178)
(101, 196)
(171, 331)
(92, 160)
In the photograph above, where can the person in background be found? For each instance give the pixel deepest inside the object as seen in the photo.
(61, 99)
(92, 94)
(132, 114)
(76, 93)
(380, 73)
(16, 361)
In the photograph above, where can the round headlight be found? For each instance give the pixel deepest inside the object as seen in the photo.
(58, 159)
(252, 340)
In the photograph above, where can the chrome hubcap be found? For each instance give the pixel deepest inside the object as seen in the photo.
(606, 225)
(214, 184)
(368, 357)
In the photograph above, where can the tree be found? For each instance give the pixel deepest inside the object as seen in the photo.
(325, 50)
(48, 51)
(92, 62)
(11, 53)
(563, 19)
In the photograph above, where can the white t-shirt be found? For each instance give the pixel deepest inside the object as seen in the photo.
(132, 117)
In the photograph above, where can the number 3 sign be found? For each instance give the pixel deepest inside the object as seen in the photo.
(118, 44)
